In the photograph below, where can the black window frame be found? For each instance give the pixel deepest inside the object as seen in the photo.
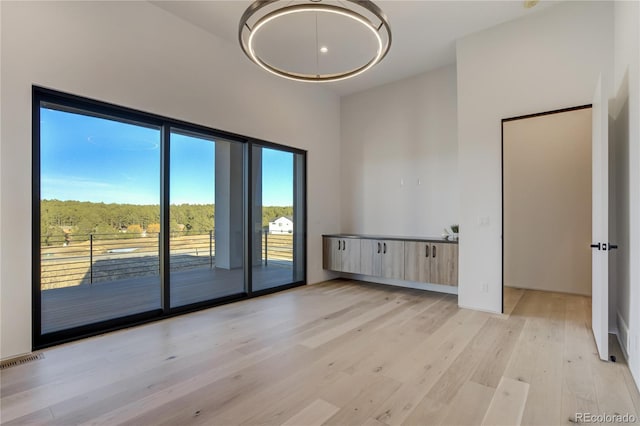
(92, 107)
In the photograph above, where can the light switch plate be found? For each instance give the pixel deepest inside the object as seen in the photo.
(483, 220)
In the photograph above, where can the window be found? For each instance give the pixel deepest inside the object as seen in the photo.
(206, 226)
(276, 178)
(137, 217)
(99, 202)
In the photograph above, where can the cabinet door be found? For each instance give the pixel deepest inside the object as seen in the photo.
(370, 257)
(332, 253)
(350, 255)
(444, 264)
(417, 261)
(393, 259)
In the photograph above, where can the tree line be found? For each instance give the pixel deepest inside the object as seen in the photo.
(78, 219)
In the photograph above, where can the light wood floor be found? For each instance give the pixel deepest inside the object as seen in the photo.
(339, 353)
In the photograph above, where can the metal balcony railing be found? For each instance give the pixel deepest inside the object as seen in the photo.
(94, 258)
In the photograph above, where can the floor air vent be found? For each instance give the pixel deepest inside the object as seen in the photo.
(20, 360)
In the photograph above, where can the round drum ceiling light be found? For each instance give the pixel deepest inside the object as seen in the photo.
(315, 40)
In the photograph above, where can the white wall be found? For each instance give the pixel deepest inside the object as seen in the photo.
(547, 190)
(137, 55)
(543, 62)
(399, 157)
(626, 115)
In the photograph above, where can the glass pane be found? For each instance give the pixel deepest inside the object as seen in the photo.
(278, 218)
(99, 221)
(206, 218)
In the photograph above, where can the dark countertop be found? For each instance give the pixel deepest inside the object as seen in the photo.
(392, 237)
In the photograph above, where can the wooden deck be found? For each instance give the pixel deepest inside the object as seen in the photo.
(63, 308)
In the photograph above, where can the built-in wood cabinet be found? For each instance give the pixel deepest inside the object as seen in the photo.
(370, 261)
(382, 258)
(420, 260)
(417, 261)
(331, 258)
(428, 262)
(341, 254)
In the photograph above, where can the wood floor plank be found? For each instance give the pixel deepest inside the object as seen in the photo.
(200, 394)
(314, 414)
(507, 405)
(511, 298)
(468, 361)
(330, 358)
(372, 422)
(469, 405)
(402, 339)
(334, 358)
(412, 311)
(400, 405)
(322, 338)
(437, 350)
(427, 413)
(546, 380)
(360, 409)
(495, 361)
(578, 389)
(340, 352)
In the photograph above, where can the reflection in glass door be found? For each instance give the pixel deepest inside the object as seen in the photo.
(277, 217)
(99, 218)
(206, 231)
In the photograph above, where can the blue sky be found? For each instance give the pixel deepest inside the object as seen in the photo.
(92, 159)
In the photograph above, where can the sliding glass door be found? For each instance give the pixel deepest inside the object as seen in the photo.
(278, 217)
(138, 217)
(99, 218)
(205, 218)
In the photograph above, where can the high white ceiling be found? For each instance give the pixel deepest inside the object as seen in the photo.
(424, 32)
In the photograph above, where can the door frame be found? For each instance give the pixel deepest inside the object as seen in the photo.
(506, 120)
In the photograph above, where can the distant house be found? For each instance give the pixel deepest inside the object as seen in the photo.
(282, 225)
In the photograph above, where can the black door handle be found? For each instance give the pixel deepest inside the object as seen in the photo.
(613, 246)
(378, 248)
(596, 246)
(426, 250)
(385, 248)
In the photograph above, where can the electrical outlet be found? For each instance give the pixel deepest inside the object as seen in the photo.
(485, 287)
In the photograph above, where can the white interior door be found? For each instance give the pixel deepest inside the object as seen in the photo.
(600, 223)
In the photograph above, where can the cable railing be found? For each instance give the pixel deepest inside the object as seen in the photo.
(94, 258)
(278, 248)
(190, 249)
(76, 259)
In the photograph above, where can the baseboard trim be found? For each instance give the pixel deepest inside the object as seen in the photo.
(480, 310)
(401, 283)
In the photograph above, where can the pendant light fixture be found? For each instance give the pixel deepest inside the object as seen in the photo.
(314, 40)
